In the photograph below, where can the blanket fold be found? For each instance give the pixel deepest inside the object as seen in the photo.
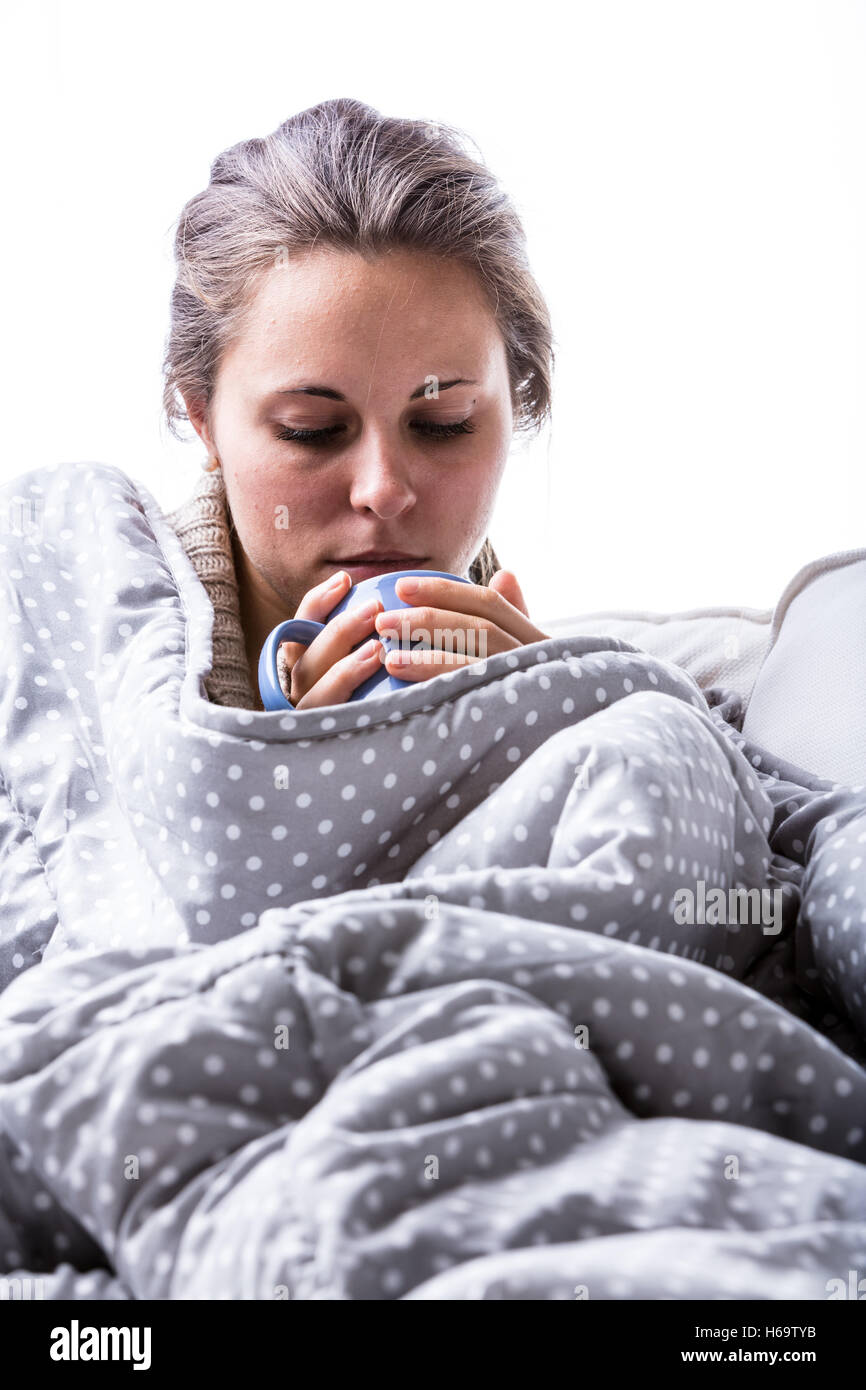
(534, 980)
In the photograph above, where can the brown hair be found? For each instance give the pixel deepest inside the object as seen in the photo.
(340, 174)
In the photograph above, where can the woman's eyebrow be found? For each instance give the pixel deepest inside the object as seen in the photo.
(338, 396)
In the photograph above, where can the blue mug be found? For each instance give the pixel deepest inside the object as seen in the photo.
(305, 629)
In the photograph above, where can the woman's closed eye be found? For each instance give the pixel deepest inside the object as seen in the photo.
(433, 429)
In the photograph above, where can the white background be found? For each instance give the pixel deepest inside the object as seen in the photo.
(692, 181)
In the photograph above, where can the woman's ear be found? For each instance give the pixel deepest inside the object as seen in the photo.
(197, 414)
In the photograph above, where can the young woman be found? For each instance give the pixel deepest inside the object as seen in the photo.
(356, 338)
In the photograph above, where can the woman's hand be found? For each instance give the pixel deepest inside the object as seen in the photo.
(464, 623)
(327, 671)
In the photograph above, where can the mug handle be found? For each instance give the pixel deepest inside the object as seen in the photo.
(294, 630)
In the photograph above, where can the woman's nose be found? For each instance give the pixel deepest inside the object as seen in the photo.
(381, 483)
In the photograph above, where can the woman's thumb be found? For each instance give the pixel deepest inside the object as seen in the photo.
(504, 582)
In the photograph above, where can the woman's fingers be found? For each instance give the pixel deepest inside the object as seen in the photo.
(474, 601)
(322, 599)
(451, 640)
(504, 582)
(341, 680)
(316, 604)
(420, 665)
(331, 647)
(462, 623)
(449, 632)
(479, 621)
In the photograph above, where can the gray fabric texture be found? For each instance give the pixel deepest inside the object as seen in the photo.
(392, 1000)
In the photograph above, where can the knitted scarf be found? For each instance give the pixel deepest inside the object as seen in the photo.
(201, 524)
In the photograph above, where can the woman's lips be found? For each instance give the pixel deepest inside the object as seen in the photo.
(366, 569)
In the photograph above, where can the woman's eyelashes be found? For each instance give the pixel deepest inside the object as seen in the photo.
(431, 429)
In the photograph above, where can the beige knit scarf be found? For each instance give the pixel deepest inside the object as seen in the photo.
(202, 527)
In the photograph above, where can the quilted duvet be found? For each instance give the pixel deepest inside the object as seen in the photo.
(535, 980)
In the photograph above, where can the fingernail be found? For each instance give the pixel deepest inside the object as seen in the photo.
(365, 652)
(408, 586)
(337, 579)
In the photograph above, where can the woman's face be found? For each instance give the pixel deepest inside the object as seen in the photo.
(354, 347)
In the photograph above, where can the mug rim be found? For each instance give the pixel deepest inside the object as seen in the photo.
(373, 579)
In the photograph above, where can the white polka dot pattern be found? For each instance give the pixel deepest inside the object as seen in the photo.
(390, 1000)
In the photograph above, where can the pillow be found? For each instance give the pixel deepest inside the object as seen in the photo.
(717, 646)
(807, 704)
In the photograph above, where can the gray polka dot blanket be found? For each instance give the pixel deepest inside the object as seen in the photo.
(534, 980)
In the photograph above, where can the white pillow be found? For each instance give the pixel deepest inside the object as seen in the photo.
(808, 703)
(717, 646)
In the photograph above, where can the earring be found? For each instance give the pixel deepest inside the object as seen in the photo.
(212, 464)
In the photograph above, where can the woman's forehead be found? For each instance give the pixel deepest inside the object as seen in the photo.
(375, 322)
